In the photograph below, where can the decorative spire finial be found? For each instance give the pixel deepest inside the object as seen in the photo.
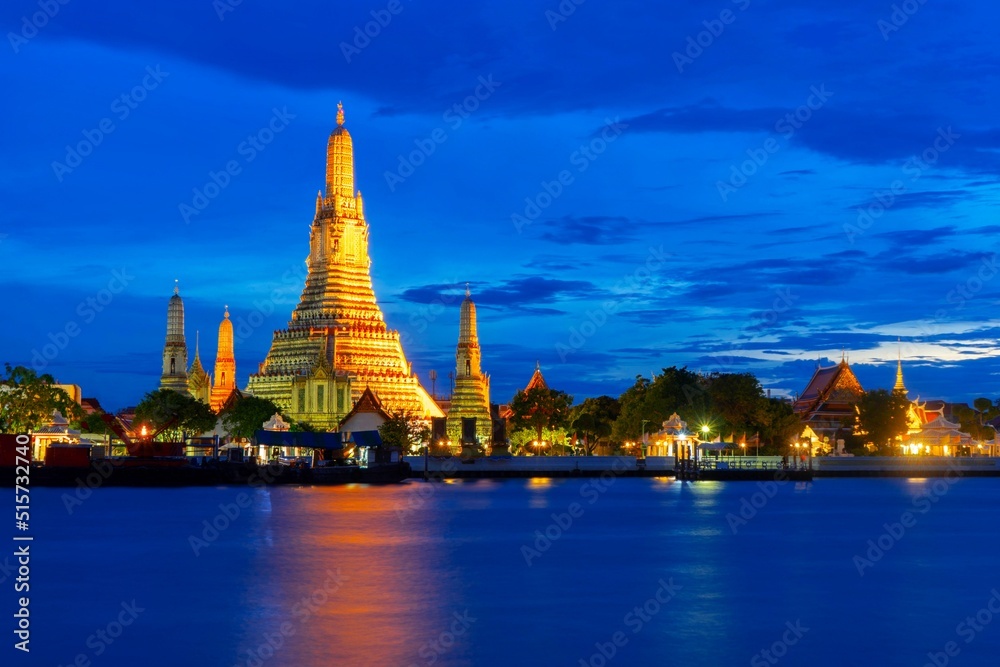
(177, 286)
(900, 386)
(340, 113)
(468, 292)
(227, 311)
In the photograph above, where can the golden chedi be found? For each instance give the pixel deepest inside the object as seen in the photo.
(471, 396)
(337, 342)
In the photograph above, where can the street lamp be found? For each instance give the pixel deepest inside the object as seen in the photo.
(643, 442)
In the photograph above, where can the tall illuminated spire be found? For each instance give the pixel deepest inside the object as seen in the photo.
(174, 374)
(338, 318)
(471, 397)
(199, 383)
(224, 380)
(340, 161)
(899, 386)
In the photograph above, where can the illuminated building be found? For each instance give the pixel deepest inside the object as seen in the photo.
(199, 382)
(536, 381)
(900, 386)
(827, 406)
(471, 396)
(366, 415)
(337, 342)
(224, 379)
(175, 349)
(57, 431)
(672, 436)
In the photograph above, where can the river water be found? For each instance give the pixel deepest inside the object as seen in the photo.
(518, 572)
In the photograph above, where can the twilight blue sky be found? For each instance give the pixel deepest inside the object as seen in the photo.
(654, 249)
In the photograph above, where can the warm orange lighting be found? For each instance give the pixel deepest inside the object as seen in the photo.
(338, 303)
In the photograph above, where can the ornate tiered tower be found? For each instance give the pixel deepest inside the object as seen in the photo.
(224, 381)
(199, 383)
(900, 386)
(471, 397)
(175, 354)
(337, 333)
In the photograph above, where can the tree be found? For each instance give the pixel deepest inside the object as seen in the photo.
(93, 423)
(593, 419)
(247, 415)
(405, 431)
(737, 399)
(778, 425)
(974, 420)
(883, 416)
(184, 414)
(28, 399)
(674, 390)
(540, 408)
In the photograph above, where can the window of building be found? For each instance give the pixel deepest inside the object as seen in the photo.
(320, 405)
(302, 400)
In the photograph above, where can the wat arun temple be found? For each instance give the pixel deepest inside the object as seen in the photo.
(337, 343)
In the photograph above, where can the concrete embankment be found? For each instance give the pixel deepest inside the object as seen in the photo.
(906, 466)
(737, 468)
(541, 466)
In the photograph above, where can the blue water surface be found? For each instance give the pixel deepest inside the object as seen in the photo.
(517, 572)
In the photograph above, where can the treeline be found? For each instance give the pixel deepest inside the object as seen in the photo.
(730, 405)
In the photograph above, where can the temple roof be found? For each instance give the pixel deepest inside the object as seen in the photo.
(536, 379)
(836, 384)
(368, 402)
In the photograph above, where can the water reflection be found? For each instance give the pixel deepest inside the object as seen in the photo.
(347, 580)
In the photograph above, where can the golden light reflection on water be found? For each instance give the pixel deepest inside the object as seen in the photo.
(352, 578)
